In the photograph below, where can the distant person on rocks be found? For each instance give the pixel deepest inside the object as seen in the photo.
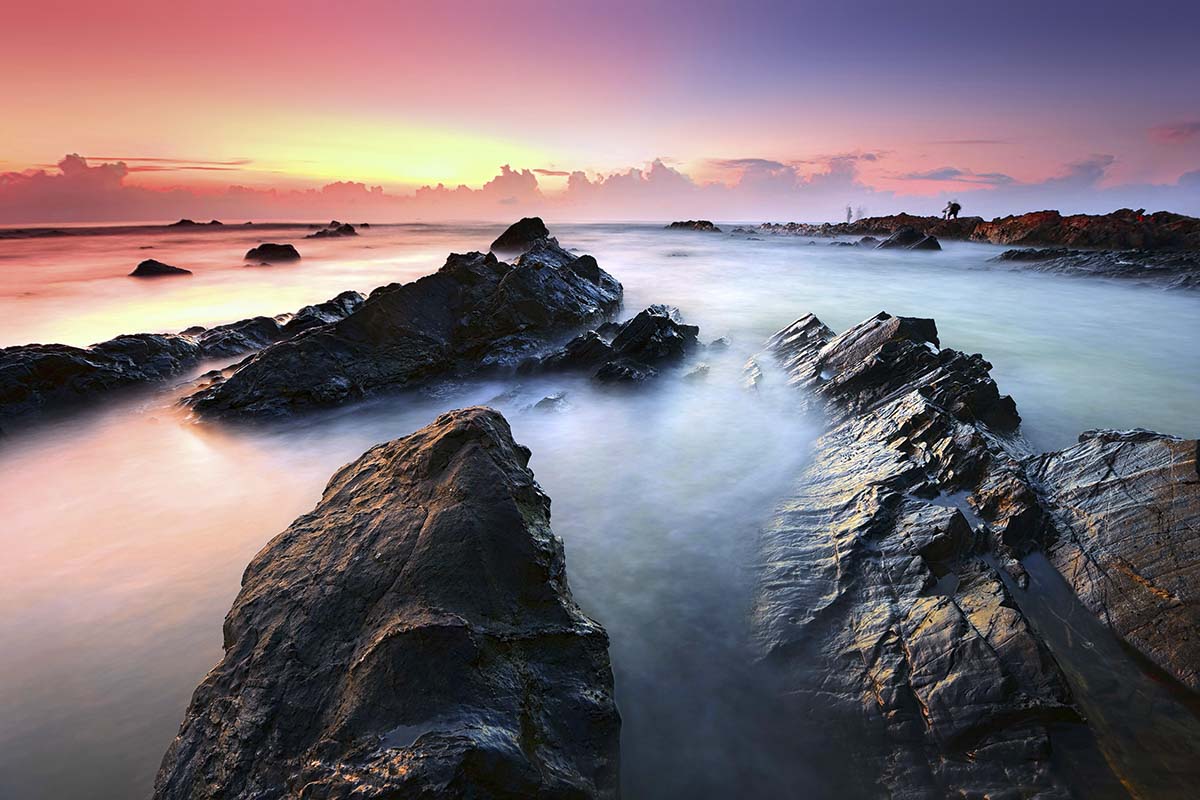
(951, 210)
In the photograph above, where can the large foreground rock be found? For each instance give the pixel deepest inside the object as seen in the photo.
(476, 311)
(412, 636)
(1125, 511)
(892, 599)
(46, 377)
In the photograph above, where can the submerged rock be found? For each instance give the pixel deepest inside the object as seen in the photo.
(412, 636)
(521, 235)
(694, 225)
(156, 269)
(1124, 508)
(475, 312)
(271, 252)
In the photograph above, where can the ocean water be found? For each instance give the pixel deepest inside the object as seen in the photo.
(125, 530)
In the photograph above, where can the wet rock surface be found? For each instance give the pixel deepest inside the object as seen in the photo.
(156, 269)
(335, 230)
(475, 312)
(702, 225)
(412, 636)
(908, 238)
(1169, 269)
(271, 252)
(632, 352)
(878, 606)
(54, 377)
(1124, 513)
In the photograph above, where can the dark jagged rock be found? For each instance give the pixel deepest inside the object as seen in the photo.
(38, 377)
(1125, 511)
(868, 241)
(184, 223)
(271, 252)
(476, 311)
(556, 402)
(521, 235)
(856, 609)
(909, 239)
(654, 338)
(156, 269)
(412, 636)
(333, 231)
(892, 600)
(1169, 269)
(47, 377)
(694, 225)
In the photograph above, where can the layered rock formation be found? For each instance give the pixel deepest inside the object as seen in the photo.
(412, 636)
(906, 238)
(1124, 513)
(887, 602)
(44, 377)
(694, 225)
(1169, 269)
(475, 312)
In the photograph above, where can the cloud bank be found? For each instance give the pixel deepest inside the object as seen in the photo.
(752, 189)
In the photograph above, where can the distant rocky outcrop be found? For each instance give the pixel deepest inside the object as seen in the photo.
(520, 236)
(1124, 229)
(1167, 268)
(189, 223)
(631, 352)
(156, 269)
(892, 600)
(271, 252)
(412, 636)
(475, 312)
(333, 231)
(54, 377)
(694, 225)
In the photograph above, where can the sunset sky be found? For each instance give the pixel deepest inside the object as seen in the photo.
(747, 108)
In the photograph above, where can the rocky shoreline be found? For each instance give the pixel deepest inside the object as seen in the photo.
(892, 588)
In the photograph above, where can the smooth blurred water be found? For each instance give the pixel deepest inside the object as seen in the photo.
(125, 531)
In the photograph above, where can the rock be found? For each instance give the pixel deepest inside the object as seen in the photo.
(1168, 269)
(625, 370)
(863, 569)
(184, 223)
(412, 636)
(271, 252)
(156, 269)
(694, 225)
(698, 374)
(586, 351)
(868, 241)
(333, 231)
(556, 402)
(475, 312)
(892, 584)
(909, 239)
(521, 235)
(54, 377)
(1125, 512)
(655, 336)
(719, 344)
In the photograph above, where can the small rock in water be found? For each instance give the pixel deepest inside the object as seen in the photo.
(156, 269)
(270, 251)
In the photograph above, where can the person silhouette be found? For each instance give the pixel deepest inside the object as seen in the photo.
(951, 210)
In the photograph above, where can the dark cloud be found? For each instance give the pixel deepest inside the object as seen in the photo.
(1176, 132)
(557, 173)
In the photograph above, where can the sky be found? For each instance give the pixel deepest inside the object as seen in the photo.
(650, 110)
